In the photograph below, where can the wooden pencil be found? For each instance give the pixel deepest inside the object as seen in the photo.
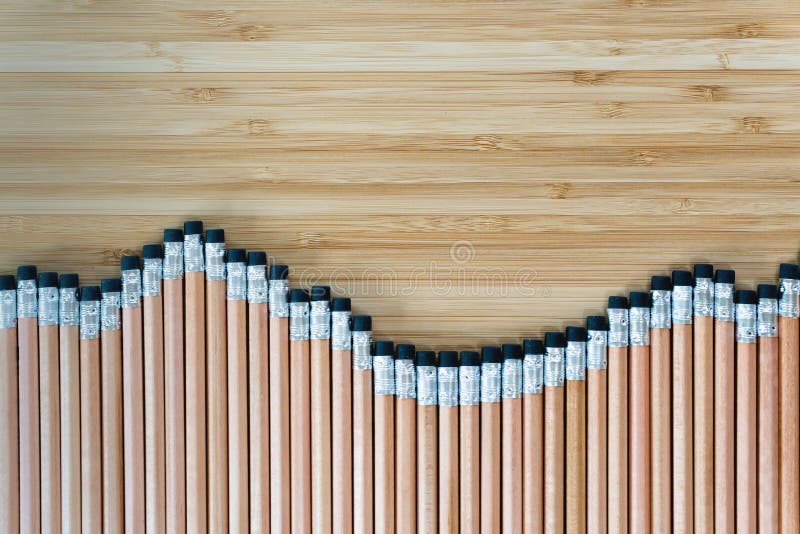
(724, 403)
(597, 424)
(639, 414)
(195, 363)
(533, 437)
(469, 432)
(660, 402)
(320, 333)
(703, 381)
(447, 393)
(746, 413)
(768, 411)
(111, 392)
(238, 459)
(491, 420)
(9, 407)
(342, 416)
(384, 390)
(511, 440)
(554, 483)
(300, 410)
(258, 378)
(618, 318)
(93, 494)
(49, 402)
(406, 440)
(427, 439)
(363, 490)
(575, 357)
(70, 391)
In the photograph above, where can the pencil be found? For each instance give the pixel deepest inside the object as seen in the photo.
(768, 406)
(236, 294)
(639, 414)
(469, 451)
(49, 409)
(427, 451)
(93, 492)
(660, 402)
(9, 407)
(618, 414)
(491, 388)
(554, 370)
(258, 377)
(28, 347)
(111, 392)
(406, 440)
(447, 385)
(575, 356)
(342, 416)
(300, 410)
(363, 501)
(511, 439)
(320, 333)
(174, 384)
(533, 437)
(724, 402)
(597, 424)
(154, 415)
(746, 413)
(383, 365)
(70, 391)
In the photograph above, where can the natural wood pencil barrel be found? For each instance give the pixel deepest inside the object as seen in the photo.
(746, 414)
(70, 391)
(618, 336)
(682, 448)
(427, 442)
(661, 438)
(342, 416)
(49, 403)
(768, 411)
(9, 408)
(597, 424)
(406, 441)
(92, 476)
(703, 380)
(279, 442)
(300, 411)
(321, 432)
(491, 451)
(363, 489)
(448, 401)
(576, 430)
(724, 427)
(511, 440)
(639, 415)
(554, 444)
(384, 390)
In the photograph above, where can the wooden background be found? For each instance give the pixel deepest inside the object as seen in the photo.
(468, 171)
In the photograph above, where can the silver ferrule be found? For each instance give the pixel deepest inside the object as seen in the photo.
(8, 308)
(640, 326)
(788, 304)
(173, 260)
(704, 297)
(215, 261)
(448, 386)
(576, 360)
(746, 327)
(27, 303)
(682, 305)
(617, 327)
(48, 306)
(405, 378)
(236, 289)
(340, 330)
(767, 317)
(298, 321)
(532, 373)
(596, 353)
(512, 379)
(69, 310)
(151, 277)
(320, 317)
(109, 311)
(362, 345)
(469, 385)
(90, 319)
(427, 385)
(723, 302)
(383, 375)
(257, 290)
(131, 288)
(491, 382)
(278, 303)
(554, 366)
(193, 254)
(660, 308)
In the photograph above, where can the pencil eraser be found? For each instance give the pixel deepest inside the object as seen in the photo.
(342, 304)
(7, 282)
(110, 285)
(682, 278)
(256, 257)
(68, 281)
(554, 339)
(426, 358)
(745, 296)
(533, 346)
(26, 272)
(491, 354)
(703, 270)
(661, 283)
(576, 333)
(790, 271)
(193, 228)
(384, 348)
(48, 279)
(235, 255)
(512, 351)
(618, 303)
(767, 291)
(448, 358)
(640, 299)
(128, 263)
(278, 272)
(298, 295)
(596, 322)
(469, 358)
(725, 276)
(216, 235)
(362, 323)
(154, 251)
(321, 293)
(90, 293)
(405, 351)
(173, 235)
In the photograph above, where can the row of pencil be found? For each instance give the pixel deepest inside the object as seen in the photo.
(200, 393)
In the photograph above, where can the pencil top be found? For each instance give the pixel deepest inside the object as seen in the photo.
(173, 235)
(469, 358)
(790, 271)
(724, 276)
(512, 351)
(298, 295)
(554, 339)
(321, 293)
(533, 346)
(26, 272)
(576, 333)
(216, 235)
(426, 358)
(153, 251)
(90, 293)
(362, 323)
(236, 255)
(68, 281)
(661, 283)
(596, 322)
(682, 278)
(7, 282)
(48, 279)
(278, 272)
(767, 291)
(128, 263)
(617, 302)
(193, 228)
(110, 285)
(640, 299)
(491, 354)
(745, 296)
(384, 348)
(448, 358)
(342, 304)
(703, 270)
(405, 351)
(256, 257)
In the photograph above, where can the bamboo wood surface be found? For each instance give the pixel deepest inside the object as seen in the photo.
(788, 328)
(70, 391)
(49, 428)
(661, 423)
(279, 443)
(196, 451)
(363, 488)
(511, 465)
(724, 427)
(9, 439)
(682, 454)
(768, 436)
(533, 463)
(174, 404)
(111, 386)
(576, 456)
(448, 470)
(29, 467)
(238, 458)
(427, 469)
(93, 484)
(300, 434)
(217, 404)
(258, 389)
(703, 423)
(154, 416)
(618, 439)
(133, 453)
(321, 512)
(746, 438)
(639, 420)
(384, 464)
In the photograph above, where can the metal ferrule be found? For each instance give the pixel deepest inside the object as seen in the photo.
(340, 331)
(236, 289)
(617, 327)
(320, 317)
(90, 319)
(554, 366)
(68, 307)
(8, 308)
(788, 304)
(48, 306)
(298, 321)
(362, 343)
(576, 360)
(173, 260)
(532, 373)
(491, 382)
(469, 385)
(405, 379)
(448, 386)
(278, 303)
(661, 309)
(131, 288)
(257, 290)
(746, 327)
(109, 311)
(512, 379)
(27, 303)
(767, 317)
(596, 350)
(704, 297)
(682, 305)
(723, 302)
(215, 261)
(151, 277)
(427, 386)
(640, 326)
(383, 375)
(193, 254)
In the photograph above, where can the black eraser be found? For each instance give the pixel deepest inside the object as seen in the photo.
(236, 255)
(7, 282)
(193, 228)
(278, 272)
(617, 302)
(256, 257)
(90, 293)
(491, 355)
(724, 276)
(576, 333)
(767, 291)
(789, 270)
(298, 295)
(384, 348)
(154, 251)
(48, 279)
(127, 263)
(448, 358)
(512, 351)
(173, 235)
(216, 235)
(661, 283)
(703, 270)
(68, 281)
(469, 358)
(426, 358)
(745, 296)
(110, 285)
(682, 278)
(640, 299)
(362, 323)
(341, 304)
(26, 272)
(321, 293)
(405, 351)
(596, 322)
(533, 346)
(554, 339)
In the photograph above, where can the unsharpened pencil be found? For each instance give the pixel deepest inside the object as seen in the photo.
(746, 413)
(703, 380)
(724, 403)
(406, 440)
(511, 440)
(660, 402)
(70, 391)
(321, 484)
(111, 388)
(427, 453)
(491, 420)
(300, 410)
(469, 448)
(768, 410)
(533, 437)
(447, 384)
(363, 489)
(618, 318)
(597, 423)
(639, 414)
(383, 368)
(9, 407)
(93, 492)
(554, 483)
(342, 415)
